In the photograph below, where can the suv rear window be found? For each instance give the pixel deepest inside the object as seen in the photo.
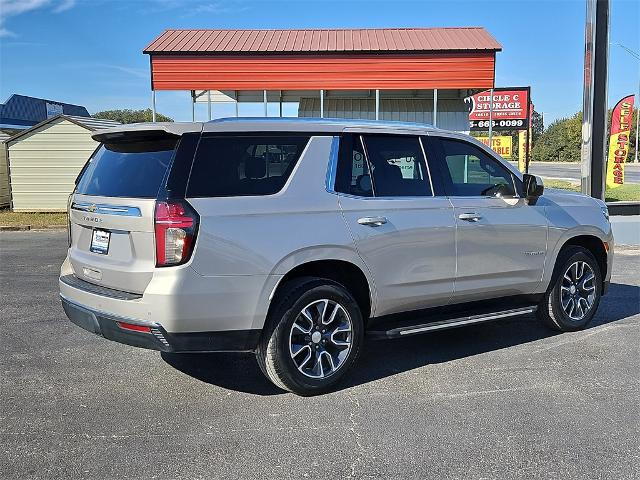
(127, 169)
(227, 166)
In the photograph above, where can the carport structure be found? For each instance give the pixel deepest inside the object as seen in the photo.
(407, 74)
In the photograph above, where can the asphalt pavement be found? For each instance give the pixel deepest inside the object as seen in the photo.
(504, 400)
(571, 171)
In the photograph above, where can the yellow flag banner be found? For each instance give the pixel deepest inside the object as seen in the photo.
(619, 141)
(502, 145)
(522, 150)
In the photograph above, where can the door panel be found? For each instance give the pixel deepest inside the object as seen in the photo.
(412, 255)
(501, 240)
(503, 251)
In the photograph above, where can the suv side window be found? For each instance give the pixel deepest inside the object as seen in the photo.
(468, 171)
(230, 165)
(388, 166)
(398, 166)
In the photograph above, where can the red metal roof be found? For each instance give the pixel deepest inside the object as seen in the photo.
(324, 40)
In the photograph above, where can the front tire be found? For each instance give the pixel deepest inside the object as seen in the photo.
(312, 337)
(574, 295)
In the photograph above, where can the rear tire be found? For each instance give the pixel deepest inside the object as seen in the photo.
(573, 297)
(312, 337)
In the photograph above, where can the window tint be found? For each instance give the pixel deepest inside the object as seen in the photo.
(397, 165)
(235, 166)
(127, 169)
(352, 174)
(469, 171)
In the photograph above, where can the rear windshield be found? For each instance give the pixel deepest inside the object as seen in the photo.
(227, 166)
(127, 169)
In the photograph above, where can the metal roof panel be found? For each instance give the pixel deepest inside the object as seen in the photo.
(324, 40)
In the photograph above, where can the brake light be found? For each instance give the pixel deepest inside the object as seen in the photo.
(175, 226)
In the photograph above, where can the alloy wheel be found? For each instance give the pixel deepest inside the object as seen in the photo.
(578, 291)
(320, 339)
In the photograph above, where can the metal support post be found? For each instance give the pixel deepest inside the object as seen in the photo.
(153, 107)
(377, 104)
(193, 106)
(321, 103)
(435, 107)
(490, 118)
(266, 110)
(209, 104)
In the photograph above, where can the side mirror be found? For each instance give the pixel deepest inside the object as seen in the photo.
(533, 187)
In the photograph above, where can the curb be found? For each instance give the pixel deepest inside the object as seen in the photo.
(24, 228)
(14, 228)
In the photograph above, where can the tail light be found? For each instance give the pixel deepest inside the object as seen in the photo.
(176, 225)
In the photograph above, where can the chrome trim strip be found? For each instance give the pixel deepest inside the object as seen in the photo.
(333, 165)
(470, 320)
(105, 209)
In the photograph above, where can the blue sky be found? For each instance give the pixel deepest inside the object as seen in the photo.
(89, 52)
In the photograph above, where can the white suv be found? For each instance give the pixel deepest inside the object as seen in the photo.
(296, 238)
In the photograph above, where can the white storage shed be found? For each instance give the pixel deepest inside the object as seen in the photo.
(5, 197)
(45, 160)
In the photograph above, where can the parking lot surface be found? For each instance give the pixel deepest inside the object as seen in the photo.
(509, 399)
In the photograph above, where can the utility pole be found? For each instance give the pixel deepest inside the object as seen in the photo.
(594, 100)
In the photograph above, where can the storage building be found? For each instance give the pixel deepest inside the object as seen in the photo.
(45, 160)
(5, 198)
(406, 74)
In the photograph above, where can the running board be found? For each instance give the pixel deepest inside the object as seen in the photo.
(407, 330)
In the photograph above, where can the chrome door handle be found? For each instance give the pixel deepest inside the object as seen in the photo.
(372, 221)
(469, 217)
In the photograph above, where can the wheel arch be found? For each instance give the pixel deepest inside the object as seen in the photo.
(593, 244)
(342, 271)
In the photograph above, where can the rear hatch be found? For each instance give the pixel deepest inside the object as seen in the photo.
(112, 211)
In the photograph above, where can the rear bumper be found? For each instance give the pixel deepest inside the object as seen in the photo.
(157, 338)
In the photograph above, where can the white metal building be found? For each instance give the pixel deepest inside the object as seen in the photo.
(45, 160)
(5, 197)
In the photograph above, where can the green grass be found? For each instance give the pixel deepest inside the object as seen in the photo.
(35, 220)
(561, 184)
(626, 193)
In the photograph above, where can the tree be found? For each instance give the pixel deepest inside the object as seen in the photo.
(131, 116)
(537, 126)
(562, 141)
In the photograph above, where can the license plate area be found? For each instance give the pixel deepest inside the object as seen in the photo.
(100, 240)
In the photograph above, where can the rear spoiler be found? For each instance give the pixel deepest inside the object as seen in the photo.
(145, 130)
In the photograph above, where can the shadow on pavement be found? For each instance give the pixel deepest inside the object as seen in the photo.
(381, 359)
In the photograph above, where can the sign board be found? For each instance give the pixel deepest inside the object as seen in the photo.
(510, 109)
(619, 141)
(54, 109)
(502, 145)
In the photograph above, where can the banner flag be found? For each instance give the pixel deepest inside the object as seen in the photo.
(619, 141)
(522, 150)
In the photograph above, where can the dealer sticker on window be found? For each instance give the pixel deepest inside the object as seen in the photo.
(100, 242)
